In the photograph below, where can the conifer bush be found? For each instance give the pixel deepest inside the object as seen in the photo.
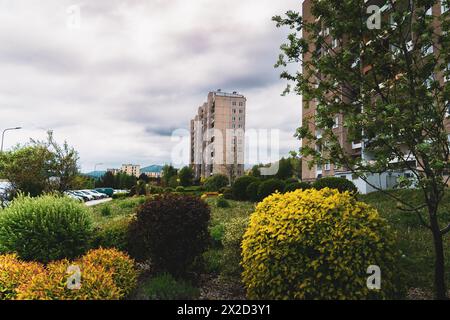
(311, 244)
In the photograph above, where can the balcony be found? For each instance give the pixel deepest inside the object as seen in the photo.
(356, 145)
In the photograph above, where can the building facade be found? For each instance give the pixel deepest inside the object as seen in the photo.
(218, 136)
(131, 169)
(387, 180)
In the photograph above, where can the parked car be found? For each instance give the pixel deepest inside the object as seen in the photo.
(74, 196)
(98, 194)
(108, 191)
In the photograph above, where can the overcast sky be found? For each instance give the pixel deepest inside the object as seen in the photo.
(118, 84)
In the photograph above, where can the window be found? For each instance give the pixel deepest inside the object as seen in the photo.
(234, 103)
(336, 122)
(334, 43)
(326, 32)
(241, 104)
(447, 70)
(392, 21)
(234, 110)
(327, 166)
(409, 45)
(241, 111)
(444, 7)
(429, 11)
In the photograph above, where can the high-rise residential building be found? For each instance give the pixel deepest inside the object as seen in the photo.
(131, 169)
(218, 136)
(353, 148)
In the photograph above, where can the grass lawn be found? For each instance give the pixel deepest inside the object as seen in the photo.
(414, 240)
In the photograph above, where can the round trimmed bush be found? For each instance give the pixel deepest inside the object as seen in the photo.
(227, 193)
(240, 187)
(341, 184)
(252, 191)
(216, 182)
(46, 228)
(221, 202)
(179, 189)
(119, 264)
(296, 186)
(169, 190)
(172, 231)
(266, 188)
(317, 245)
(106, 274)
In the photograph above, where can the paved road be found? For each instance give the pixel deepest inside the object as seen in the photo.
(96, 202)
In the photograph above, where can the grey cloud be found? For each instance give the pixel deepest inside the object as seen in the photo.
(135, 71)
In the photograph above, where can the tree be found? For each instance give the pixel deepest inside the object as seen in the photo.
(64, 162)
(255, 171)
(389, 85)
(186, 176)
(168, 172)
(106, 181)
(28, 169)
(285, 169)
(144, 177)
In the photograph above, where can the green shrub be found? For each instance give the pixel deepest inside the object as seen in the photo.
(296, 186)
(268, 187)
(45, 228)
(216, 233)
(227, 193)
(120, 195)
(291, 180)
(171, 230)
(221, 202)
(165, 287)
(179, 189)
(106, 210)
(173, 182)
(340, 184)
(232, 239)
(168, 190)
(216, 182)
(156, 190)
(240, 187)
(113, 234)
(213, 261)
(252, 191)
(317, 245)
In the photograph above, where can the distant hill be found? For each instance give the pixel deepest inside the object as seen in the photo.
(153, 168)
(95, 174)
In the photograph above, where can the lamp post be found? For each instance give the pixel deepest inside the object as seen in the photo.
(3, 135)
(97, 164)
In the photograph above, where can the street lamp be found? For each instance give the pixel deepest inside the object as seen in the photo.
(3, 135)
(97, 164)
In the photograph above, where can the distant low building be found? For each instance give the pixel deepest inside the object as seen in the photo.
(154, 171)
(131, 169)
(113, 171)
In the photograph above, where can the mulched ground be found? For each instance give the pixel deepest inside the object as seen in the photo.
(218, 288)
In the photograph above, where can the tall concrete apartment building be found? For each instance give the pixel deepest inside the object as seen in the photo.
(354, 148)
(218, 136)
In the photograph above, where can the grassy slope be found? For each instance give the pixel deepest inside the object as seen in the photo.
(414, 240)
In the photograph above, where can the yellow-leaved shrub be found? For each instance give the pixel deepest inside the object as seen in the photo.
(106, 274)
(311, 244)
(13, 273)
